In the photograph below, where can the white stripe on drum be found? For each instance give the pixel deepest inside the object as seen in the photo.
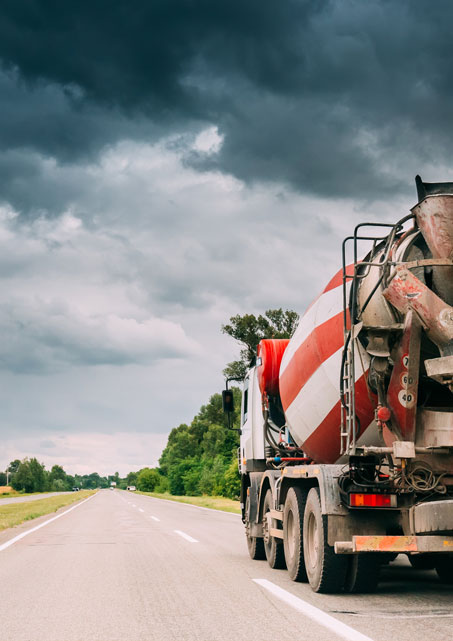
(327, 306)
(319, 396)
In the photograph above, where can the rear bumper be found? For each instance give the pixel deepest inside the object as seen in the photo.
(385, 543)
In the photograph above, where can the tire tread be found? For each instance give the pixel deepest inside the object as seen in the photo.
(332, 574)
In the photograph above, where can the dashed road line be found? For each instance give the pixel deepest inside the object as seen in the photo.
(154, 518)
(186, 536)
(140, 509)
(319, 616)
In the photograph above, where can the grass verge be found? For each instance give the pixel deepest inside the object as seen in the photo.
(212, 502)
(16, 513)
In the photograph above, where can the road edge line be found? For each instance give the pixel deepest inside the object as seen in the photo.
(316, 614)
(10, 542)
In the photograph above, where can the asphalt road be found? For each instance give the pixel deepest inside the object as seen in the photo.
(25, 499)
(126, 567)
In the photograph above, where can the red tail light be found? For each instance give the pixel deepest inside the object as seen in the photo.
(372, 500)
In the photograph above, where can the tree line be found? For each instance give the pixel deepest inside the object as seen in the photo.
(29, 475)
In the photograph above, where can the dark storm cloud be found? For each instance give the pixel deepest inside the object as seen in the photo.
(332, 97)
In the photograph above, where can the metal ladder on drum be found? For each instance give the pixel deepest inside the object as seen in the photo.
(348, 415)
(348, 427)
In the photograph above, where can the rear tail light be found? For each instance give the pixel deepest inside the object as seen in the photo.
(372, 500)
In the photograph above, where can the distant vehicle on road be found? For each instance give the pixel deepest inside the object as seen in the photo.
(75, 489)
(131, 488)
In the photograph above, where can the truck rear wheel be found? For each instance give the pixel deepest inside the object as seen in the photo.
(273, 547)
(326, 571)
(293, 540)
(255, 546)
(363, 573)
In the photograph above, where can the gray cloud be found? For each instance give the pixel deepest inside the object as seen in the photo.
(38, 336)
(340, 100)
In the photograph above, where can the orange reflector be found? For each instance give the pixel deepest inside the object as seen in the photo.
(372, 500)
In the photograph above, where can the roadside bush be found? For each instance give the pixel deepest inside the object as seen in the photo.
(163, 485)
(232, 480)
(148, 479)
(191, 480)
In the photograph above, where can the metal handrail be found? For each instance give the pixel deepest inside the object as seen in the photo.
(348, 425)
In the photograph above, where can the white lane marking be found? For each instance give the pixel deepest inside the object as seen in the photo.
(133, 505)
(140, 509)
(321, 617)
(155, 518)
(186, 536)
(37, 527)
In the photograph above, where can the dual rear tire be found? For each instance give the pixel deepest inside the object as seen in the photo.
(305, 549)
(310, 557)
(326, 571)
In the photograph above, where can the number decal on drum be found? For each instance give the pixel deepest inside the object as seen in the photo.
(406, 398)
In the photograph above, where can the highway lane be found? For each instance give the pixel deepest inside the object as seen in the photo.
(129, 567)
(25, 499)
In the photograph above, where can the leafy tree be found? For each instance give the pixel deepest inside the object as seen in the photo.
(57, 472)
(12, 468)
(191, 479)
(30, 476)
(148, 479)
(59, 481)
(176, 476)
(249, 330)
(182, 442)
(58, 485)
(163, 485)
(232, 480)
(22, 480)
(131, 478)
(39, 475)
(2, 478)
(206, 483)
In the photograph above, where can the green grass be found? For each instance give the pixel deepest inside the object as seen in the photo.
(16, 513)
(212, 502)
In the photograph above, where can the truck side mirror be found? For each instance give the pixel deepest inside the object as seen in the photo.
(227, 401)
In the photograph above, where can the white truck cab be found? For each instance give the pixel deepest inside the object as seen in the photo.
(252, 432)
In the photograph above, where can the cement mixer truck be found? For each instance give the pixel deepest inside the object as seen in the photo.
(346, 447)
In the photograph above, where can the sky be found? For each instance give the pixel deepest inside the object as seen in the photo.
(167, 164)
